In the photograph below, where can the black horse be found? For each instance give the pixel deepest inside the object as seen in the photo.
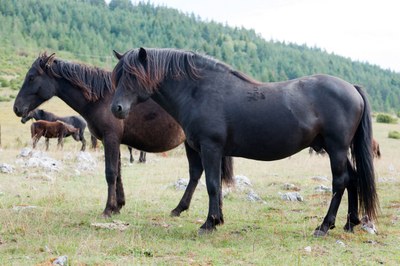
(75, 121)
(225, 113)
(87, 90)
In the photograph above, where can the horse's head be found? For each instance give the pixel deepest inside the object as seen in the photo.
(36, 114)
(39, 85)
(127, 77)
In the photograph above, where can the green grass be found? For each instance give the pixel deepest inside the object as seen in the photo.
(270, 233)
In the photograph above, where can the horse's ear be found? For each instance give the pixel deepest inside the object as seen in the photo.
(142, 55)
(49, 60)
(117, 55)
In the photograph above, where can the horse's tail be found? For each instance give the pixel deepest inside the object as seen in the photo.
(227, 170)
(363, 161)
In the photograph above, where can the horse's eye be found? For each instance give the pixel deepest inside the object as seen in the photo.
(31, 78)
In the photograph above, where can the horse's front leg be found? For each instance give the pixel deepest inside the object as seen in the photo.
(47, 143)
(35, 140)
(211, 158)
(115, 196)
(195, 171)
(60, 143)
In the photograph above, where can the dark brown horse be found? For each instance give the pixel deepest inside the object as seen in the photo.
(225, 113)
(87, 90)
(142, 156)
(57, 129)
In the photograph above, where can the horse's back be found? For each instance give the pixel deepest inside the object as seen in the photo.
(280, 119)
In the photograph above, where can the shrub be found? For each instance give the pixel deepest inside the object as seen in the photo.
(386, 118)
(394, 134)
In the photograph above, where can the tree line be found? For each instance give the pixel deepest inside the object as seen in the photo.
(88, 30)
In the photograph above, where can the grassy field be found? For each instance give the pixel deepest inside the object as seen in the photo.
(65, 203)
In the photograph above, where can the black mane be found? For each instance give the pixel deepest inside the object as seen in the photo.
(163, 63)
(93, 81)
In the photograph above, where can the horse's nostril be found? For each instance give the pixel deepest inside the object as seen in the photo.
(17, 111)
(119, 108)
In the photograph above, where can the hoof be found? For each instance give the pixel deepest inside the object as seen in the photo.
(203, 231)
(319, 233)
(175, 213)
(106, 214)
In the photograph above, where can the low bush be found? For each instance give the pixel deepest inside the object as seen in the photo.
(386, 118)
(394, 134)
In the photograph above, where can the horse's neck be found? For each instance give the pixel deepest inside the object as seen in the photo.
(72, 96)
(50, 117)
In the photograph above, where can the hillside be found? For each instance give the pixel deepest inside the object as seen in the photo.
(88, 30)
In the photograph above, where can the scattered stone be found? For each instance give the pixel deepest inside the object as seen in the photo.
(323, 189)
(242, 182)
(62, 261)
(253, 196)
(23, 207)
(291, 196)
(6, 168)
(320, 178)
(115, 225)
(307, 249)
(181, 184)
(25, 152)
(85, 161)
(387, 179)
(289, 186)
(368, 225)
(341, 243)
(32, 159)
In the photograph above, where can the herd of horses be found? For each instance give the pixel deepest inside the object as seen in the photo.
(157, 99)
(45, 126)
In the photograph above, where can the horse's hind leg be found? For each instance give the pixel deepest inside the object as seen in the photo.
(195, 171)
(340, 179)
(352, 192)
(83, 140)
(60, 143)
(142, 157)
(131, 160)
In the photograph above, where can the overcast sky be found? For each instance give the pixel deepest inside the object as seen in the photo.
(364, 30)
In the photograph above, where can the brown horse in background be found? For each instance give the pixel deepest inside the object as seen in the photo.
(57, 129)
(375, 150)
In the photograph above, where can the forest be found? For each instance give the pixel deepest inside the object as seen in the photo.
(88, 31)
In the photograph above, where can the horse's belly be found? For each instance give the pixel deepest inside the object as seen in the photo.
(268, 145)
